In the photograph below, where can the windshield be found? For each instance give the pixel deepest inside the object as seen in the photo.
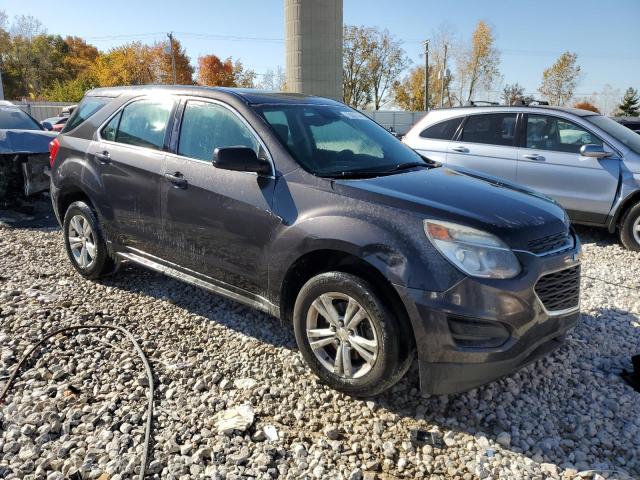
(87, 107)
(16, 119)
(337, 141)
(621, 133)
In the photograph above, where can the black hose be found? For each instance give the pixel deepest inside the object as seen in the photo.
(147, 434)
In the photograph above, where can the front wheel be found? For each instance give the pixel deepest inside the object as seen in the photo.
(630, 229)
(347, 336)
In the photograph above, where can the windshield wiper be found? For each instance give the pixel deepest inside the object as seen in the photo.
(375, 173)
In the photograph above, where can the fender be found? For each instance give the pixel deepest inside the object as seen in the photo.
(629, 194)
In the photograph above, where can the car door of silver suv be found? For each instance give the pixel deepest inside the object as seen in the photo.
(486, 144)
(549, 162)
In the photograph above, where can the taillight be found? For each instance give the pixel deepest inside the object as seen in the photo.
(54, 146)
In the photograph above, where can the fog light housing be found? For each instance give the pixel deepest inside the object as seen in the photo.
(469, 333)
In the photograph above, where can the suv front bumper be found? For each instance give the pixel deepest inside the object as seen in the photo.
(482, 329)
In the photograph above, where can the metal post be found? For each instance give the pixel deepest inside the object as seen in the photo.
(1, 89)
(426, 75)
(173, 58)
(444, 76)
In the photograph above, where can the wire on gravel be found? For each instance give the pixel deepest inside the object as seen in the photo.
(147, 434)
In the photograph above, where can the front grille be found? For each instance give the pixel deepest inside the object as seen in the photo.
(560, 290)
(551, 243)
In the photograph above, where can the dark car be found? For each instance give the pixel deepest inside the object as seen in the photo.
(632, 123)
(24, 153)
(308, 210)
(55, 124)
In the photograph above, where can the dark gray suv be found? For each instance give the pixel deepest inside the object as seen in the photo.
(308, 210)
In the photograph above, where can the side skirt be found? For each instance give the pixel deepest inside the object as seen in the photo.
(257, 302)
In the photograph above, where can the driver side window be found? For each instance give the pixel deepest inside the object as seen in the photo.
(557, 134)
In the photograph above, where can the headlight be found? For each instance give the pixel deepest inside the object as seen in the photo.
(476, 253)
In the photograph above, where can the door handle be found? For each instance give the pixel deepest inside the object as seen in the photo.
(535, 156)
(460, 149)
(103, 157)
(177, 179)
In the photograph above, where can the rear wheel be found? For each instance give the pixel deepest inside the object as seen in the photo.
(84, 242)
(350, 340)
(630, 229)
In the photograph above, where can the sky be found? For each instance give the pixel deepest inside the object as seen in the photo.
(530, 34)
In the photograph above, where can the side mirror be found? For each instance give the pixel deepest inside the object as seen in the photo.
(47, 126)
(240, 159)
(593, 151)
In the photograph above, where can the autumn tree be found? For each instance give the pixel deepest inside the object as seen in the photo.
(385, 62)
(408, 94)
(215, 72)
(129, 64)
(586, 105)
(630, 105)
(162, 64)
(559, 81)
(357, 46)
(477, 63)
(512, 93)
(80, 57)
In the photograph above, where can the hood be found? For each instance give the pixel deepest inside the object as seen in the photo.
(25, 141)
(515, 215)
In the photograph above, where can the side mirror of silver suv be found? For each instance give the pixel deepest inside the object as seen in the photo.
(593, 151)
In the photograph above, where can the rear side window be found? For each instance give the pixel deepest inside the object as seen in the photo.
(443, 130)
(207, 126)
(491, 129)
(88, 107)
(142, 123)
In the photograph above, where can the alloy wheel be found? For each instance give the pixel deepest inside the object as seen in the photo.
(635, 228)
(341, 335)
(82, 242)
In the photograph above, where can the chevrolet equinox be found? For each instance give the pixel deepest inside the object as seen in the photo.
(308, 210)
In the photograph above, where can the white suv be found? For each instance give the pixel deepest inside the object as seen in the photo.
(587, 162)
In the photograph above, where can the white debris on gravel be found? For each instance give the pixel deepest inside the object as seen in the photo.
(78, 409)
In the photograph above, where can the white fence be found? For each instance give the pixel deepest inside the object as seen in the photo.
(400, 121)
(42, 110)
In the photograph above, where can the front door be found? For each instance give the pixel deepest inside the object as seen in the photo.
(486, 144)
(550, 162)
(129, 156)
(219, 222)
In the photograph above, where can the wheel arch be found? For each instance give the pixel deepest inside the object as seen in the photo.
(627, 204)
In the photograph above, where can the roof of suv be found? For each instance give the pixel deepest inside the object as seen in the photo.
(496, 108)
(249, 95)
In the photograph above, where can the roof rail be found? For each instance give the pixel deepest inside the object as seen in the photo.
(528, 102)
(477, 103)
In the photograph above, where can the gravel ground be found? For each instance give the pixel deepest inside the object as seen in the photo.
(78, 409)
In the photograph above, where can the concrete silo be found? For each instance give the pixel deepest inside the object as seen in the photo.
(313, 33)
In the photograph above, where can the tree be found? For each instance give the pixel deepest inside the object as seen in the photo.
(559, 81)
(356, 78)
(129, 64)
(512, 93)
(214, 72)
(163, 67)
(586, 105)
(630, 106)
(273, 80)
(409, 93)
(478, 63)
(385, 61)
(80, 57)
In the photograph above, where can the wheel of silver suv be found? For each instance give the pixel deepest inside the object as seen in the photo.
(347, 335)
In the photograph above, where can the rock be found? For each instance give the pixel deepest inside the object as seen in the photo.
(244, 383)
(200, 385)
(504, 439)
(332, 433)
(270, 432)
(238, 418)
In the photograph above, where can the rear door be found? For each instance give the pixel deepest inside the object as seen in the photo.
(550, 162)
(130, 157)
(433, 141)
(486, 144)
(218, 222)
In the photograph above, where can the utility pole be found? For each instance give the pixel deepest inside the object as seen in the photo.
(444, 76)
(1, 90)
(426, 75)
(173, 58)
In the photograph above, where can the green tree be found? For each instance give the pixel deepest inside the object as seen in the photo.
(356, 78)
(559, 81)
(630, 106)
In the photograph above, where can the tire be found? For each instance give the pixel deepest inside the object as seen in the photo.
(97, 261)
(630, 229)
(374, 369)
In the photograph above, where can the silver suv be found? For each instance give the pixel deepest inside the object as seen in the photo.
(587, 162)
